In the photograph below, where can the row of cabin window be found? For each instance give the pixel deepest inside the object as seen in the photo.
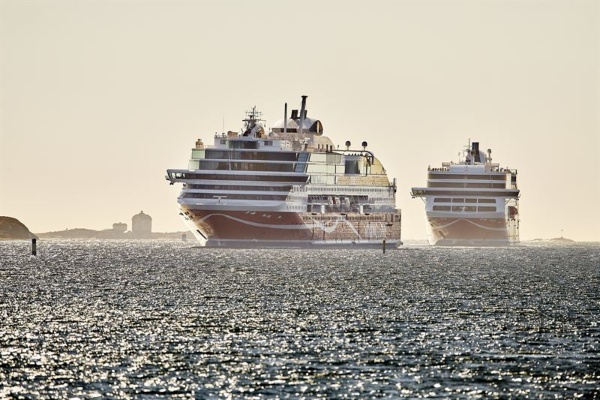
(231, 196)
(333, 199)
(366, 208)
(237, 177)
(216, 154)
(240, 187)
(501, 177)
(466, 185)
(356, 219)
(459, 200)
(464, 208)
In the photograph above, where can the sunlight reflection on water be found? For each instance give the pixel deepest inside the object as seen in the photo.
(143, 318)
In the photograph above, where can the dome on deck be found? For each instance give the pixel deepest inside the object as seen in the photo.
(309, 125)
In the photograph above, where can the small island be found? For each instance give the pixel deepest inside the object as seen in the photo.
(556, 240)
(560, 240)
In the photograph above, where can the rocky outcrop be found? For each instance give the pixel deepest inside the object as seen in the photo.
(13, 229)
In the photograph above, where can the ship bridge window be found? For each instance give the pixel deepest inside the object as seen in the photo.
(351, 167)
(215, 154)
(243, 144)
(302, 160)
(464, 208)
(244, 166)
(487, 208)
(238, 177)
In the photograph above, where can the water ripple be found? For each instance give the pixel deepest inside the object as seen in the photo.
(102, 319)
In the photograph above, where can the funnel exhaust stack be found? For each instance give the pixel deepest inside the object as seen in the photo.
(302, 113)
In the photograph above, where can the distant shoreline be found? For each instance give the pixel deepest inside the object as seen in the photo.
(83, 233)
(80, 233)
(554, 240)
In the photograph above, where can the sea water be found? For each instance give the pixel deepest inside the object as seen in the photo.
(148, 319)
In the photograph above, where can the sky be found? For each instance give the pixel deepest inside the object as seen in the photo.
(99, 99)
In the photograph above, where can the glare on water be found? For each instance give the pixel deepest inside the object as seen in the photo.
(143, 318)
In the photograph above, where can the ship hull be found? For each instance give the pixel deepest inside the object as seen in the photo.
(469, 231)
(276, 229)
(302, 244)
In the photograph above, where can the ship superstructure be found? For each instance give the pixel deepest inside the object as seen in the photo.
(288, 187)
(473, 202)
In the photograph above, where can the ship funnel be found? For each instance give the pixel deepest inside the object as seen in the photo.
(475, 151)
(302, 113)
(285, 118)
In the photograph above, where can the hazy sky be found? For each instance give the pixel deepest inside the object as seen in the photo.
(98, 99)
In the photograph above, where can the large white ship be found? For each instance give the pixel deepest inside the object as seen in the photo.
(288, 187)
(473, 202)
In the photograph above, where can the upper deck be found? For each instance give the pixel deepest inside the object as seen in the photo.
(294, 147)
(473, 175)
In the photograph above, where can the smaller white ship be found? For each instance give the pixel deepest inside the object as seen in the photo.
(473, 202)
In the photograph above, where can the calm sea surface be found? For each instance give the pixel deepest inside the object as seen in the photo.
(147, 319)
